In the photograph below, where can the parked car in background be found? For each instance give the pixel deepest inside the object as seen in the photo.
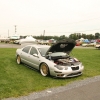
(88, 44)
(97, 46)
(52, 60)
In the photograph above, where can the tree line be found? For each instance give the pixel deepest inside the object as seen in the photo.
(74, 36)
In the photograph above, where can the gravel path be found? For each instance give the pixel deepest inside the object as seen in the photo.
(51, 91)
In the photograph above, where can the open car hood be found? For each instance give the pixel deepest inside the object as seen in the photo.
(62, 46)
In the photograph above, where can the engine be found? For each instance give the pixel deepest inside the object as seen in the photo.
(68, 61)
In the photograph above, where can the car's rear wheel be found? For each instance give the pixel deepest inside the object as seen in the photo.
(44, 70)
(18, 60)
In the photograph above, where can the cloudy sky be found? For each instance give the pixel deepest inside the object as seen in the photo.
(56, 17)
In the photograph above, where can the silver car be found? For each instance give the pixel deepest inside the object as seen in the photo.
(52, 60)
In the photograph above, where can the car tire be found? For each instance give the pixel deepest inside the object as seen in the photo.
(18, 60)
(44, 69)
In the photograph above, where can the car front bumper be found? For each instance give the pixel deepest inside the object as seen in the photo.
(67, 73)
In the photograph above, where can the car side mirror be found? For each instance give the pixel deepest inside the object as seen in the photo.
(35, 55)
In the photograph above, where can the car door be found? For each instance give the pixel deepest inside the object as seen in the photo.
(33, 58)
(25, 54)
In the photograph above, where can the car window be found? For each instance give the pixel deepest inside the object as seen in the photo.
(33, 51)
(26, 49)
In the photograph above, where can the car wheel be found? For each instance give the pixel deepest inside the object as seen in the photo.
(44, 70)
(18, 60)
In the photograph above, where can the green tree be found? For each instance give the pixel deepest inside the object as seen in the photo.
(73, 36)
(62, 37)
(97, 35)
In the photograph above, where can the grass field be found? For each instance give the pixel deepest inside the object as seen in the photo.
(17, 80)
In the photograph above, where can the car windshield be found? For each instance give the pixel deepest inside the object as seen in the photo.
(43, 50)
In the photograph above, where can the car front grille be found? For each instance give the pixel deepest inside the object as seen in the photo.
(75, 68)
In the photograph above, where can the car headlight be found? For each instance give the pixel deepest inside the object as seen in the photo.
(61, 67)
(80, 65)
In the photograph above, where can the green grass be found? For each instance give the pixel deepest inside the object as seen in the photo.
(17, 80)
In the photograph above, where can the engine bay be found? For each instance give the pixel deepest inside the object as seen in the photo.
(69, 61)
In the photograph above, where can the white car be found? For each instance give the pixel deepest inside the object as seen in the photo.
(88, 44)
(97, 46)
(52, 60)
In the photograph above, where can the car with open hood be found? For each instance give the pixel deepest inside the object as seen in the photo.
(52, 60)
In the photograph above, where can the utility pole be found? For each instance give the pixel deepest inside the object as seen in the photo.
(8, 33)
(15, 29)
(43, 34)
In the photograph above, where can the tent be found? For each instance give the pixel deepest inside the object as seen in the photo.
(86, 41)
(28, 39)
(15, 37)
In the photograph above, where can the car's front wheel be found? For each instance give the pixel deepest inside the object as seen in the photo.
(44, 70)
(18, 60)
